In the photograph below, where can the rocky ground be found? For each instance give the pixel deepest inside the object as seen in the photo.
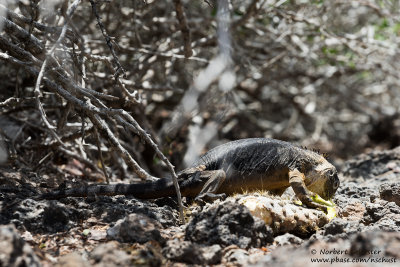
(123, 231)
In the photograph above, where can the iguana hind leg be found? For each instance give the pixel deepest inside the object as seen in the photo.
(296, 180)
(190, 172)
(214, 181)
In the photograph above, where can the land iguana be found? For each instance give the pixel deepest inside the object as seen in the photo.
(240, 166)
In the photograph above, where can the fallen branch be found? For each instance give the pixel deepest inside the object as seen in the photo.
(180, 14)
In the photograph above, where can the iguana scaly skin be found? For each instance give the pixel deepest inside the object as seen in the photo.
(235, 167)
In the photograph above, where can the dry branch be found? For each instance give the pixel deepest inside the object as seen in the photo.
(107, 38)
(99, 107)
(180, 14)
(32, 44)
(132, 96)
(90, 110)
(20, 20)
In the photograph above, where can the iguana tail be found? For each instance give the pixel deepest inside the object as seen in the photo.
(151, 190)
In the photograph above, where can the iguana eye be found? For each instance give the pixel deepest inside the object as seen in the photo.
(331, 173)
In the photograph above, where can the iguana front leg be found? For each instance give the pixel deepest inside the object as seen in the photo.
(296, 180)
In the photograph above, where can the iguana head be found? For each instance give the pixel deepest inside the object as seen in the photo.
(322, 178)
